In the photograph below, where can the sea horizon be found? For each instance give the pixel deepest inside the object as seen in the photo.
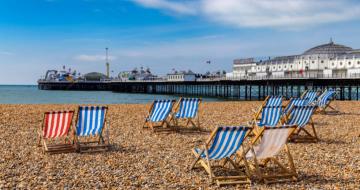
(30, 94)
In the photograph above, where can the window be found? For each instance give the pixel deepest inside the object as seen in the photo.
(322, 61)
(333, 64)
(313, 62)
(291, 66)
(358, 62)
(340, 63)
(349, 63)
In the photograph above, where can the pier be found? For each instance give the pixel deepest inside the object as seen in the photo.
(347, 88)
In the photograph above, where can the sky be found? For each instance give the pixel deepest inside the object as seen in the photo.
(38, 35)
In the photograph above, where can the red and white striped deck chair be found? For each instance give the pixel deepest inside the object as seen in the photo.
(54, 132)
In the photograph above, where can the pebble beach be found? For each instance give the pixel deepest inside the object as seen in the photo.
(142, 159)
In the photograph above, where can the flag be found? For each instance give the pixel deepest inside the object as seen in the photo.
(208, 62)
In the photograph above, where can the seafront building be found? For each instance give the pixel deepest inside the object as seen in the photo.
(181, 76)
(323, 61)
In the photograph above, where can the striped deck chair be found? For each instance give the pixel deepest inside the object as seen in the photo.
(222, 146)
(294, 102)
(54, 132)
(270, 117)
(301, 117)
(188, 109)
(159, 113)
(311, 96)
(324, 101)
(91, 122)
(264, 149)
(269, 101)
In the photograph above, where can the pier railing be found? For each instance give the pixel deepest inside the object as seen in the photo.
(233, 78)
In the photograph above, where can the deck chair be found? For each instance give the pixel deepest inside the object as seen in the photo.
(159, 113)
(301, 117)
(91, 123)
(54, 132)
(294, 102)
(311, 96)
(324, 101)
(264, 150)
(271, 116)
(187, 108)
(222, 146)
(269, 101)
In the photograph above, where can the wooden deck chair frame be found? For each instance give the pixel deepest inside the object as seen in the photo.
(195, 124)
(48, 144)
(245, 178)
(288, 173)
(153, 125)
(296, 137)
(96, 143)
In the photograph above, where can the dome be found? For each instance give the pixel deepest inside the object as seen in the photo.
(95, 76)
(328, 49)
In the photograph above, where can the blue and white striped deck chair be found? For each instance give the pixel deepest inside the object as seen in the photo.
(274, 101)
(188, 108)
(294, 102)
(269, 101)
(301, 117)
(325, 99)
(91, 122)
(223, 145)
(159, 112)
(311, 97)
(270, 116)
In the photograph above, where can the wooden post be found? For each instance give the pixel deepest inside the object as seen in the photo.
(246, 95)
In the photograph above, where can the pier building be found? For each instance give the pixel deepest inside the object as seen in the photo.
(323, 61)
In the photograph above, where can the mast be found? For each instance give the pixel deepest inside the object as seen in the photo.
(107, 63)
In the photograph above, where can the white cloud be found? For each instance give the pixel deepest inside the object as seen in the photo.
(93, 58)
(264, 13)
(183, 7)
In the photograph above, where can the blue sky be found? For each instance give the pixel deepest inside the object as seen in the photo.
(36, 35)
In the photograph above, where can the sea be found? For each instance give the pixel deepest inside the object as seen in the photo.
(30, 94)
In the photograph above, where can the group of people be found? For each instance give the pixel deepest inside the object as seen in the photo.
(273, 125)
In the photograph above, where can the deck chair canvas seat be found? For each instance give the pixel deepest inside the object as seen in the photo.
(301, 116)
(324, 101)
(54, 134)
(264, 150)
(270, 116)
(91, 123)
(294, 102)
(222, 146)
(188, 109)
(270, 101)
(159, 114)
(310, 97)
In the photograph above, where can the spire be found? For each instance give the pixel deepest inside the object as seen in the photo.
(331, 40)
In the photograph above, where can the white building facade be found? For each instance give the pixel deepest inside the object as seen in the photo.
(327, 60)
(181, 76)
